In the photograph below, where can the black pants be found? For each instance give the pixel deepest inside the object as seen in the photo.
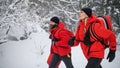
(94, 63)
(56, 59)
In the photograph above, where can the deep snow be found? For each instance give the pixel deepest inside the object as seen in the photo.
(33, 53)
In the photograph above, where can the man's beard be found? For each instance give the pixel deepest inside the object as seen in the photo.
(53, 26)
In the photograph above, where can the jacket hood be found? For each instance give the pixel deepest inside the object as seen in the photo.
(91, 19)
(61, 25)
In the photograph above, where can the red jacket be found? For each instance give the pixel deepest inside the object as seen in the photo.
(97, 49)
(60, 47)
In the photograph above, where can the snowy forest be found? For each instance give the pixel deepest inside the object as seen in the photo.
(22, 20)
(19, 17)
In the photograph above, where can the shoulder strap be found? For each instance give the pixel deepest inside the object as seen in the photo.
(106, 22)
(87, 37)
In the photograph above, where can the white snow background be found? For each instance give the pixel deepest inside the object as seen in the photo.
(19, 17)
(33, 53)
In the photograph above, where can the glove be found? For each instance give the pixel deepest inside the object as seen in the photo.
(71, 41)
(54, 39)
(50, 36)
(111, 55)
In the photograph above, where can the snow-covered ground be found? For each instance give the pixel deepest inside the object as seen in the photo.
(33, 53)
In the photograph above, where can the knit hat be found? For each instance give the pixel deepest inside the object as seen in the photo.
(88, 11)
(55, 19)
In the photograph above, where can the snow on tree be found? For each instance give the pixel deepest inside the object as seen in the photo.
(20, 17)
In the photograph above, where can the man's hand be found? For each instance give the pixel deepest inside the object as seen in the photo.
(71, 41)
(111, 55)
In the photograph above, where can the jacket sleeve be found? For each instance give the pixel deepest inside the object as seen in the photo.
(106, 34)
(63, 39)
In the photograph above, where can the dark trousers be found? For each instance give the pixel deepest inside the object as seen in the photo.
(94, 63)
(56, 59)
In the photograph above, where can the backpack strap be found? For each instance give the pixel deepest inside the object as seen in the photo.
(87, 36)
(86, 40)
(105, 21)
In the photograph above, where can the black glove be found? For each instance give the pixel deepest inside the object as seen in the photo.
(53, 38)
(50, 36)
(111, 55)
(71, 41)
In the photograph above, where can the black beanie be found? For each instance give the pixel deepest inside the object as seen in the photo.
(55, 19)
(88, 11)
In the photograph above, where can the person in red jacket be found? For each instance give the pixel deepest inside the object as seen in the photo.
(61, 25)
(59, 47)
(95, 51)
